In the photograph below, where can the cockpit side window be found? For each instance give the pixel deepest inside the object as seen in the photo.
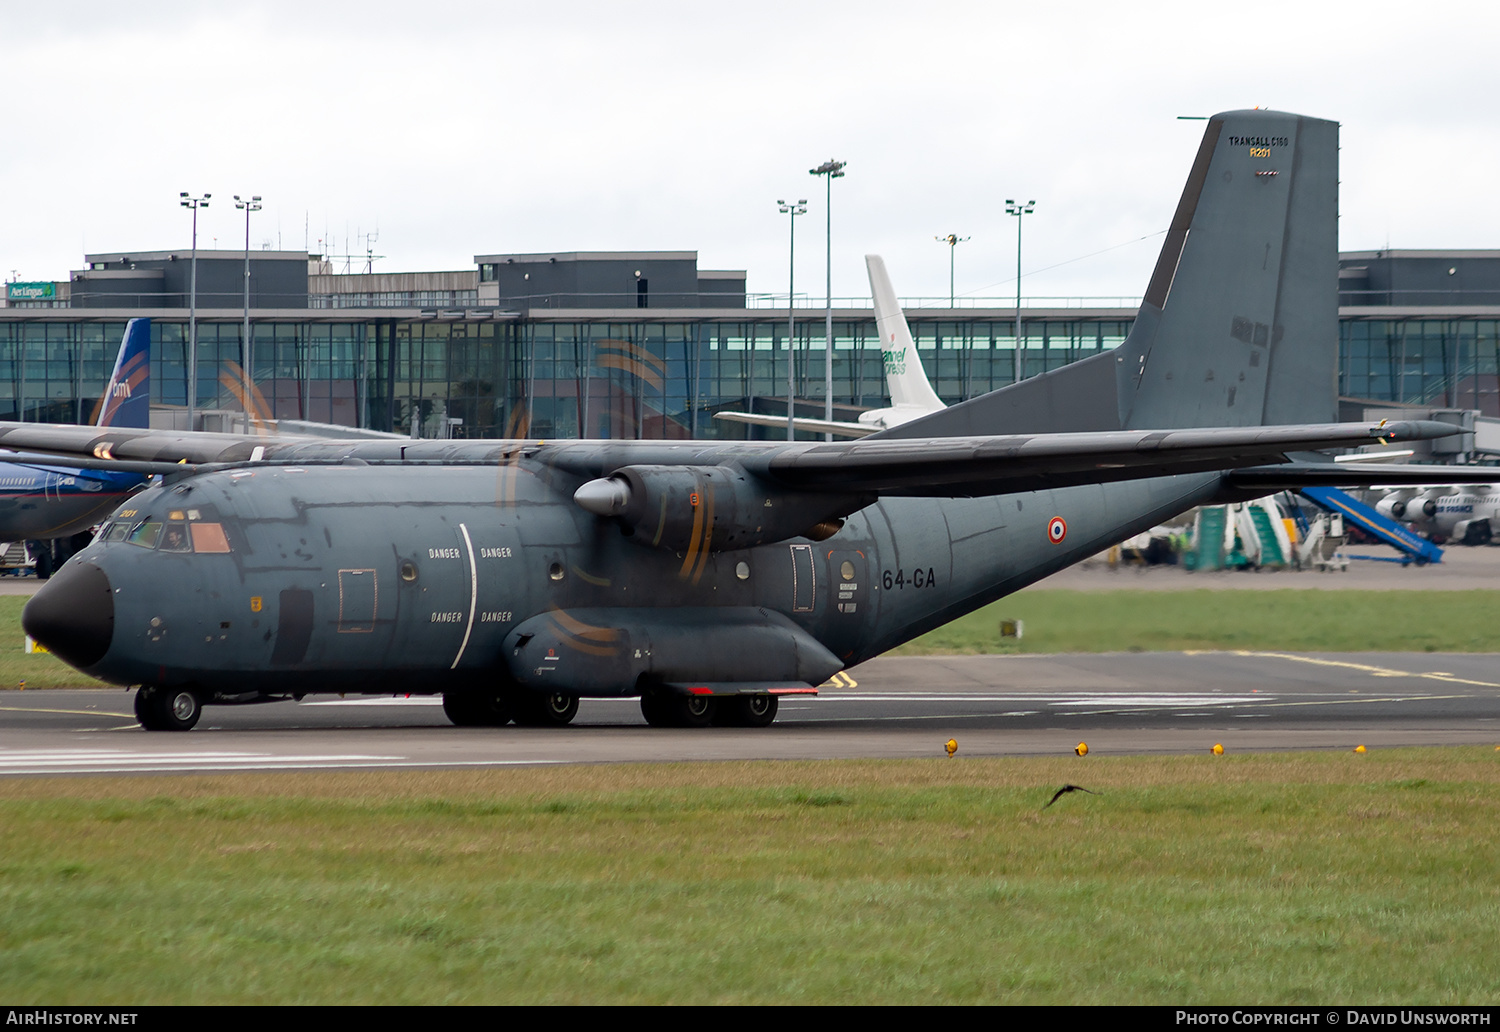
(175, 538)
(115, 531)
(146, 534)
(209, 537)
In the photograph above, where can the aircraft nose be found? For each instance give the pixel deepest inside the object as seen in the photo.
(73, 615)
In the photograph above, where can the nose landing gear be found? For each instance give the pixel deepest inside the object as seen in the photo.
(167, 709)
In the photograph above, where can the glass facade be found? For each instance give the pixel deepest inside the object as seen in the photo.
(1444, 363)
(619, 377)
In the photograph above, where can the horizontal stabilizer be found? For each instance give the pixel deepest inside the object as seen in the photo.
(802, 423)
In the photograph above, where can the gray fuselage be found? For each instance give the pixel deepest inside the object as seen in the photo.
(316, 579)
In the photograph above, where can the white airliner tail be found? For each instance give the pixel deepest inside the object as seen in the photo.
(908, 382)
(911, 392)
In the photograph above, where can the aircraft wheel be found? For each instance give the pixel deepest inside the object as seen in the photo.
(655, 711)
(662, 709)
(167, 709)
(697, 710)
(747, 711)
(145, 710)
(478, 709)
(552, 709)
(1478, 533)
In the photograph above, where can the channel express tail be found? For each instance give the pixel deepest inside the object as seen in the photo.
(1239, 323)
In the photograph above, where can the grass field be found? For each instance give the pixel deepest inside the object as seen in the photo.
(1325, 878)
(1104, 621)
(1289, 620)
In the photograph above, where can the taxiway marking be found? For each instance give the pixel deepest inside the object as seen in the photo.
(1373, 671)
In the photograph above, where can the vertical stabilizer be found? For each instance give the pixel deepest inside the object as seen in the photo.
(127, 397)
(1239, 324)
(903, 368)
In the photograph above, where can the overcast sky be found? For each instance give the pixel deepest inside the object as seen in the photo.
(456, 129)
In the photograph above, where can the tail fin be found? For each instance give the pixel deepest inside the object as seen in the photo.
(1239, 324)
(127, 397)
(903, 368)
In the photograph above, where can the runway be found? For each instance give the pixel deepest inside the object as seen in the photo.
(1132, 703)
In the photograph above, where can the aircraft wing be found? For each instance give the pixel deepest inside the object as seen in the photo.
(1294, 475)
(940, 467)
(813, 426)
(973, 466)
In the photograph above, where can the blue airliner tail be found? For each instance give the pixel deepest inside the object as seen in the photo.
(127, 398)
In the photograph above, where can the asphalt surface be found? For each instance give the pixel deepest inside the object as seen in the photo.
(890, 707)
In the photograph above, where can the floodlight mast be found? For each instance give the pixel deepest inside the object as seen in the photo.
(792, 211)
(833, 170)
(1019, 211)
(252, 204)
(193, 203)
(952, 240)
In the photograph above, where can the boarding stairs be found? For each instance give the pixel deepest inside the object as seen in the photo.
(1412, 547)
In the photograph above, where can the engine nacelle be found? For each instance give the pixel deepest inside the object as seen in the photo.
(1411, 509)
(716, 508)
(1392, 507)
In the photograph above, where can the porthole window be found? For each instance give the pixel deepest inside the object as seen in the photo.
(555, 571)
(408, 570)
(742, 570)
(846, 570)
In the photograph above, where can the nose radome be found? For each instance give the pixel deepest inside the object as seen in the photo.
(73, 615)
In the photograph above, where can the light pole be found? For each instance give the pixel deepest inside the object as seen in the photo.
(952, 241)
(792, 210)
(833, 170)
(253, 204)
(192, 393)
(1019, 211)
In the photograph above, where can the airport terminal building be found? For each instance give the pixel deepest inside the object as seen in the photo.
(633, 344)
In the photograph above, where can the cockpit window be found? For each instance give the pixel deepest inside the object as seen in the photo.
(146, 534)
(175, 538)
(209, 537)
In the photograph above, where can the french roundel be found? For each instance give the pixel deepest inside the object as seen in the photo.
(1057, 529)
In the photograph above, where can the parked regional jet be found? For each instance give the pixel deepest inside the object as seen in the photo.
(1468, 514)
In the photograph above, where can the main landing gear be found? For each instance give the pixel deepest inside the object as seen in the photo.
(660, 708)
(498, 708)
(167, 709)
(666, 709)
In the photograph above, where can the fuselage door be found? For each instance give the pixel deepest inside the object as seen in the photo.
(359, 599)
(804, 580)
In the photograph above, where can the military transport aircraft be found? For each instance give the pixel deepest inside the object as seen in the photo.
(912, 395)
(44, 500)
(710, 578)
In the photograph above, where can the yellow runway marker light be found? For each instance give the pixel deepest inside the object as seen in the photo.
(1218, 749)
(1082, 748)
(1359, 749)
(951, 745)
